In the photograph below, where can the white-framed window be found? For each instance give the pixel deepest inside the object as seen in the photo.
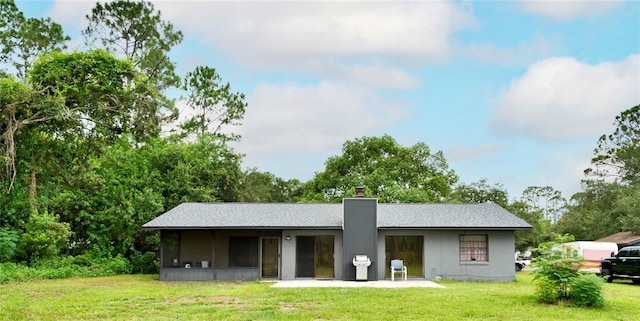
(474, 248)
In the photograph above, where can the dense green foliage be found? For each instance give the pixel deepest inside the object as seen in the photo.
(481, 192)
(586, 291)
(64, 267)
(264, 187)
(8, 242)
(43, 237)
(389, 171)
(80, 137)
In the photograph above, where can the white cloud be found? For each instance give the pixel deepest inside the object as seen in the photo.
(291, 34)
(561, 98)
(71, 14)
(381, 77)
(567, 10)
(467, 152)
(305, 119)
(564, 169)
(525, 53)
(293, 128)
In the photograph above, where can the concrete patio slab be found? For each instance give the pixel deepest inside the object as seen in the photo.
(355, 284)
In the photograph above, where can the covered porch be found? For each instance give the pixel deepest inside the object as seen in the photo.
(207, 254)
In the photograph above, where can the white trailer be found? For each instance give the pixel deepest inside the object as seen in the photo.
(593, 252)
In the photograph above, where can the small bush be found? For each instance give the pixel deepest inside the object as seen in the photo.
(546, 291)
(586, 290)
(557, 265)
(144, 262)
(112, 266)
(8, 242)
(44, 237)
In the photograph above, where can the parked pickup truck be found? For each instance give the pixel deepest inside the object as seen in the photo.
(624, 265)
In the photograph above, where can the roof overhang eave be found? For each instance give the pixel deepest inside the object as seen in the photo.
(242, 227)
(492, 228)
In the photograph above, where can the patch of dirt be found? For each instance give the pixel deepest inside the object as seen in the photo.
(48, 295)
(284, 306)
(219, 300)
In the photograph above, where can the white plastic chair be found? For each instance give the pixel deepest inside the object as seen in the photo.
(397, 266)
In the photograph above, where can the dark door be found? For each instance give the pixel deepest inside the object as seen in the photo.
(305, 264)
(314, 256)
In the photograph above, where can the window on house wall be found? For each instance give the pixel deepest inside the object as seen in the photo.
(170, 248)
(474, 247)
(243, 251)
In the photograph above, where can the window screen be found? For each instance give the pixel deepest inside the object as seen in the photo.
(474, 247)
(243, 252)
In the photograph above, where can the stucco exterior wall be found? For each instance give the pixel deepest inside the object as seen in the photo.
(360, 235)
(441, 255)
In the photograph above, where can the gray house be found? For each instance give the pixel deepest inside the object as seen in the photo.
(249, 241)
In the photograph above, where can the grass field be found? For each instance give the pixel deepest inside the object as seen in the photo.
(143, 297)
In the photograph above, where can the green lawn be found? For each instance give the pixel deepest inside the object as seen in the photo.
(143, 297)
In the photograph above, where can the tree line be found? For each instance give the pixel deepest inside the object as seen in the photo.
(91, 148)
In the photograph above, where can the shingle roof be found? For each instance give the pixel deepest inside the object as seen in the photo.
(485, 215)
(329, 216)
(621, 238)
(250, 215)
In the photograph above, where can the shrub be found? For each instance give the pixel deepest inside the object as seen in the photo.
(546, 291)
(144, 262)
(558, 266)
(8, 241)
(111, 266)
(586, 290)
(44, 237)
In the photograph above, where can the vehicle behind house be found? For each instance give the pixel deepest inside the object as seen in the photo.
(624, 265)
(522, 260)
(593, 253)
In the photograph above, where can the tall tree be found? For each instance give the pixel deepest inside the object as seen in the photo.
(265, 187)
(70, 105)
(547, 199)
(593, 212)
(628, 202)
(135, 30)
(618, 153)
(539, 233)
(211, 104)
(481, 192)
(23, 40)
(391, 172)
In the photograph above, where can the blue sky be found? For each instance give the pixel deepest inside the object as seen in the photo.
(516, 92)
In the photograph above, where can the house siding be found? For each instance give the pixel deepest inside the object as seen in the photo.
(441, 255)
